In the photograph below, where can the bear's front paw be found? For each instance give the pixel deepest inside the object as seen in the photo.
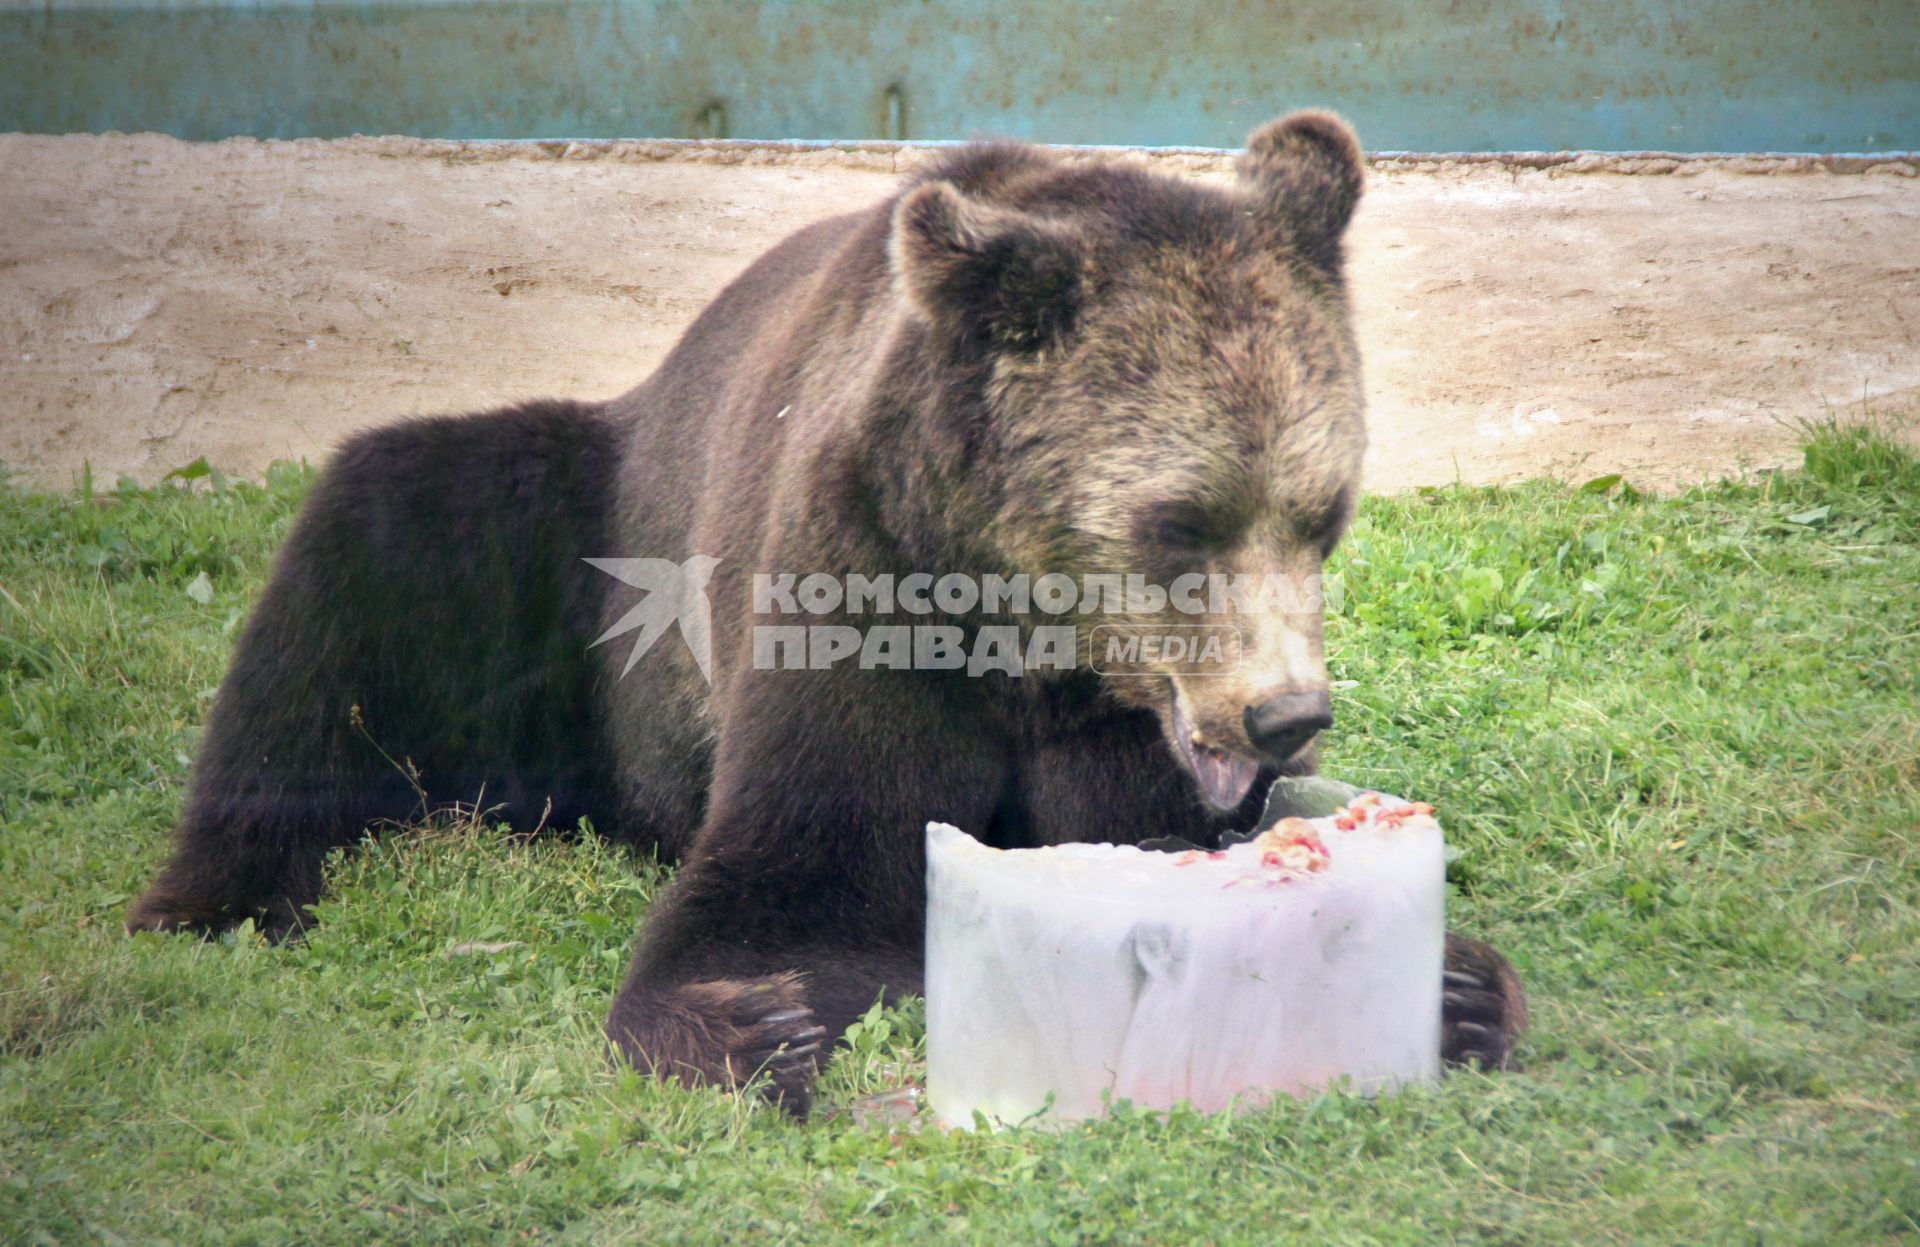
(1483, 1009)
(726, 1033)
(164, 911)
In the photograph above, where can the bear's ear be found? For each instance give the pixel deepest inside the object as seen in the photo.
(1305, 172)
(1002, 279)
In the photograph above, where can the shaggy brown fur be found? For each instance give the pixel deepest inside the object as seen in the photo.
(1018, 364)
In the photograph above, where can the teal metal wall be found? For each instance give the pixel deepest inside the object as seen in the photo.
(1456, 75)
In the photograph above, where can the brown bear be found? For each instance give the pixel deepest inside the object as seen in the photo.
(1020, 365)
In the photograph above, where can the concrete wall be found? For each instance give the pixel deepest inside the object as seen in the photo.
(1465, 75)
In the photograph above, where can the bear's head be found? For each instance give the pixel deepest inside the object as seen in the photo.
(1157, 378)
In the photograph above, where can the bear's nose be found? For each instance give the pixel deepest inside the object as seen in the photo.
(1279, 726)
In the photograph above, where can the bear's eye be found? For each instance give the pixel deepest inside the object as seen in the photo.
(1180, 527)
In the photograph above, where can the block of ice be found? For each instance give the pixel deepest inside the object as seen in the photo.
(1279, 965)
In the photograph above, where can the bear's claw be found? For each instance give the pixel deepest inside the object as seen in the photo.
(785, 1015)
(1483, 1009)
(166, 913)
(727, 1033)
(778, 1039)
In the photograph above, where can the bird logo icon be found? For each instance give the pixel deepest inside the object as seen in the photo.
(674, 593)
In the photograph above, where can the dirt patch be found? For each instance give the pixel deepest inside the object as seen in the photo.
(247, 301)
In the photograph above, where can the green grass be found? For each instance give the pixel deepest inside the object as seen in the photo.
(1675, 740)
